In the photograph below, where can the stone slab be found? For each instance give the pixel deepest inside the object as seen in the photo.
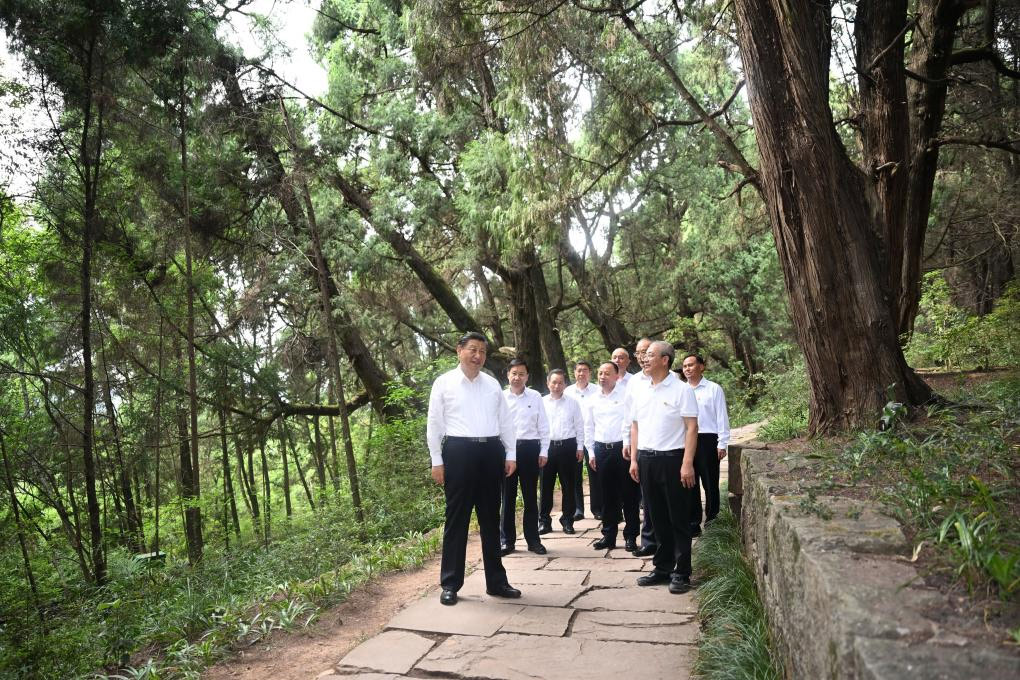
(621, 554)
(579, 548)
(330, 675)
(556, 536)
(879, 659)
(613, 579)
(470, 616)
(549, 577)
(532, 594)
(637, 599)
(596, 563)
(539, 621)
(527, 657)
(524, 560)
(392, 651)
(636, 626)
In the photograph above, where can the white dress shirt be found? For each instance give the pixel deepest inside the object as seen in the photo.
(565, 419)
(625, 378)
(577, 393)
(713, 418)
(659, 411)
(460, 407)
(529, 417)
(604, 416)
(628, 392)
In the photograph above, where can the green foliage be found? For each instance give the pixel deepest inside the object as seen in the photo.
(950, 479)
(735, 642)
(785, 404)
(948, 336)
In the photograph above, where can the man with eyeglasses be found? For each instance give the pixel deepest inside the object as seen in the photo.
(663, 440)
(648, 544)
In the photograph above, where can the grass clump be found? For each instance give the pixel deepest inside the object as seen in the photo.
(736, 642)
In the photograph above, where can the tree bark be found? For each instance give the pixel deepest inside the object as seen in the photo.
(825, 227)
(228, 482)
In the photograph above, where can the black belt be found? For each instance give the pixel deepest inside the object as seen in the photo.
(653, 453)
(529, 441)
(560, 442)
(610, 445)
(475, 440)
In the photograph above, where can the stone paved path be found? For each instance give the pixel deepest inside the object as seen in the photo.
(581, 616)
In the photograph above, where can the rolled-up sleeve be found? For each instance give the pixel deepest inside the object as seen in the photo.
(435, 426)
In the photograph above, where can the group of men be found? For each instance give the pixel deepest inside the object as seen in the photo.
(647, 439)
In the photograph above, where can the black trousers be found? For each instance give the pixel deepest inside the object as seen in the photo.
(647, 530)
(527, 475)
(617, 488)
(474, 474)
(672, 506)
(706, 467)
(594, 486)
(562, 462)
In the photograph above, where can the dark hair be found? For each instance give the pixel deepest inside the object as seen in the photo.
(615, 367)
(516, 361)
(556, 371)
(472, 335)
(582, 362)
(697, 357)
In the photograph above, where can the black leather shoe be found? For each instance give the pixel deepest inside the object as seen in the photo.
(695, 531)
(604, 544)
(544, 529)
(506, 550)
(679, 584)
(646, 551)
(448, 597)
(653, 579)
(578, 515)
(504, 591)
(630, 545)
(537, 548)
(596, 515)
(568, 529)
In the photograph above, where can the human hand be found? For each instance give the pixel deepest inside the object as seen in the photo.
(722, 453)
(438, 474)
(634, 472)
(687, 475)
(542, 460)
(510, 466)
(592, 463)
(626, 452)
(580, 455)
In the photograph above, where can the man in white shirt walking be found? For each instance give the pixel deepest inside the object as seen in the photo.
(566, 442)
(579, 391)
(713, 436)
(472, 443)
(603, 435)
(664, 438)
(532, 453)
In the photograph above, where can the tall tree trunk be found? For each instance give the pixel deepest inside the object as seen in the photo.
(527, 332)
(825, 229)
(552, 346)
(132, 519)
(16, 510)
(286, 471)
(266, 492)
(188, 499)
(313, 448)
(194, 478)
(297, 465)
(228, 483)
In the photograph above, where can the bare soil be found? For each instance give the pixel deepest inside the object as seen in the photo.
(304, 654)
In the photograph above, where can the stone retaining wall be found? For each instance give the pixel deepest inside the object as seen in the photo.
(842, 596)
